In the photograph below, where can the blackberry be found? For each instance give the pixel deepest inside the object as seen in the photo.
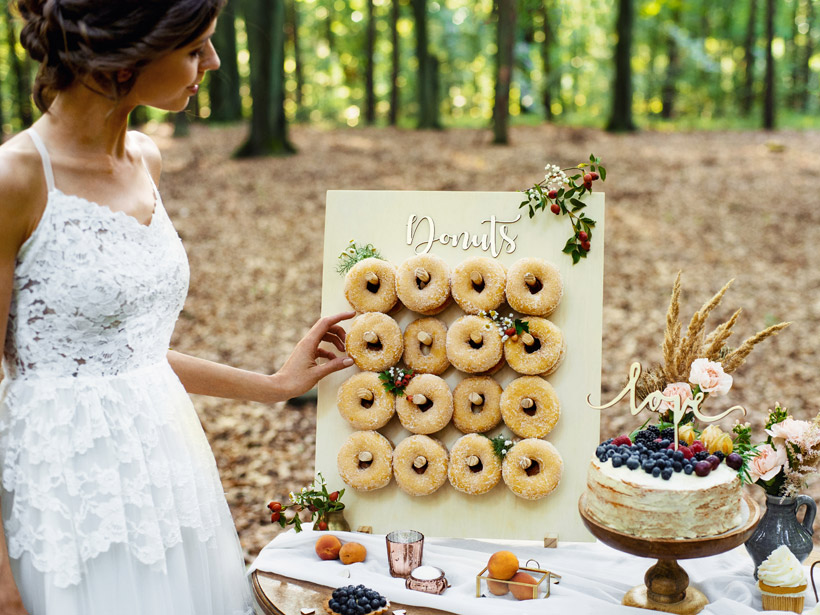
(701, 456)
(668, 433)
(655, 446)
(719, 455)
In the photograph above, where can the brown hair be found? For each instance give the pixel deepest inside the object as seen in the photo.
(74, 39)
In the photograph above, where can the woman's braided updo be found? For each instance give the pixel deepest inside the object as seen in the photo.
(81, 39)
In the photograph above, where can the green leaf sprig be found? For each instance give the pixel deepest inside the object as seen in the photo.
(561, 194)
(353, 253)
(507, 325)
(742, 445)
(501, 445)
(395, 379)
(315, 498)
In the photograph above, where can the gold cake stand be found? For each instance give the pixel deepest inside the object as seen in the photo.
(666, 585)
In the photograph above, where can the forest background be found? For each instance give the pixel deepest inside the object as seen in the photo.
(705, 114)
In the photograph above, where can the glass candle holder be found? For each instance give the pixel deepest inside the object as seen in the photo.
(404, 551)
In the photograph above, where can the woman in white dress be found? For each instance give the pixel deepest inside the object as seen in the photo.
(111, 502)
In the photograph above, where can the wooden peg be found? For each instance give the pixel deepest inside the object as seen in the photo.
(476, 399)
(370, 337)
(530, 279)
(421, 274)
(365, 529)
(527, 339)
(365, 394)
(371, 277)
(525, 463)
(473, 461)
(420, 461)
(476, 337)
(419, 399)
(476, 278)
(551, 542)
(425, 338)
(365, 456)
(527, 403)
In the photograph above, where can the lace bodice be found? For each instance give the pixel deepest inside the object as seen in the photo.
(95, 291)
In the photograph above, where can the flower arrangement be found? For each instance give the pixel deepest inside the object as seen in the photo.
(508, 326)
(790, 454)
(353, 253)
(395, 379)
(560, 193)
(314, 498)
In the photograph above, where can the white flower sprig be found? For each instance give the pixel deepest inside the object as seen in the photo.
(507, 325)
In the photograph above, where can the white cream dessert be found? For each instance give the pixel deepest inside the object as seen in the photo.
(782, 581)
(682, 506)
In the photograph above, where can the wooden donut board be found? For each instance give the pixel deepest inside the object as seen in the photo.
(382, 218)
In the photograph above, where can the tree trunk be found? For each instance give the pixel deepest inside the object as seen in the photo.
(22, 100)
(505, 37)
(747, 91)
(394, 71)
(768, 86)
(621, 118)
(265, 23)
(223, 85)
(808, 52)
(552, 76)
(369, 46)
(298, 73)
(428, 70)
(669, 88)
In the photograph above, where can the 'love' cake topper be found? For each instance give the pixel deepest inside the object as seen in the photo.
(675, 405)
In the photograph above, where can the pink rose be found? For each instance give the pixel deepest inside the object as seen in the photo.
(801, 433)
(710, 377)
(676, 389)
(768, 463)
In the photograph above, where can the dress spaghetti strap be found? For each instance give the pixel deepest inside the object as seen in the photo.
(41, 148)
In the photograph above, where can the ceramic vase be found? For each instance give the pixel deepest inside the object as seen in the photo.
(779, 526)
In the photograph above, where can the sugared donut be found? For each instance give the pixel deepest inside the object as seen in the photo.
(427, 406)
(474, 345)
(364, 403)
(474, 468)
(420, 465)
(539, 351)
(365, 460)
(370, 286)
(425, 346)
(476, 404)
(534, 286)
(423, 284)
(478, 284)
(374, 342)
(532, 468)
(530, 407)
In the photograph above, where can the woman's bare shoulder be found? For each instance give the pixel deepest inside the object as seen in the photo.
(150, 152)
(23, 189)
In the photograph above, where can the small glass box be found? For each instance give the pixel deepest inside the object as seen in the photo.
(541, 589)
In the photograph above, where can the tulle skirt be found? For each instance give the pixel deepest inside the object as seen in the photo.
(111, 501)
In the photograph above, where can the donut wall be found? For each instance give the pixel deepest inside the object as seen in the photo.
(455, 227)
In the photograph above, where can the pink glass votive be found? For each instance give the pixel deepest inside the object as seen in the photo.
(404, 551)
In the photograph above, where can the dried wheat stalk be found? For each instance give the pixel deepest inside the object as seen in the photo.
(671, 337)
(736, 358)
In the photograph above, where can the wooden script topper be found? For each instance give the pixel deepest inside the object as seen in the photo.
(654, 400)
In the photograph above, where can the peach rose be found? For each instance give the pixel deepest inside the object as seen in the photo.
(679, 389)
(710, 377)
(768, 463)
(801, 433)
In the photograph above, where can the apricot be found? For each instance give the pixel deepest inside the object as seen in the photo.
(328, 546)
(499, 588)
(502, 565)
(519, 591)
(352, 552)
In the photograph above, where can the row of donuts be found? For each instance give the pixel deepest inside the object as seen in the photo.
(472, 344)
(424, 284)
(532, 468)
(529, 405)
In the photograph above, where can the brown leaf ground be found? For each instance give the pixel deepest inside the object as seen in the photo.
(716, 205)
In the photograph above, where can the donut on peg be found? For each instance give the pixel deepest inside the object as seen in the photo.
(374, 342)
(534, 286)
(427, 406)
(532, 468)
(530, 407)
(474, 468)
(425, 346)
(423, 284)
(370, 286)
(474, 345)
(365, 460)
(420, 465)
(364, 403)
(477, 404)
(537, 351)
(478, 284)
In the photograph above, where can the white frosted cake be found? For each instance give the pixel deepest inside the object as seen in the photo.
(683, 506)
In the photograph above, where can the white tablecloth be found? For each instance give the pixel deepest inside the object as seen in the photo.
(594, 576)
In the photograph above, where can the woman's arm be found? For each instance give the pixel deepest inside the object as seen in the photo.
(299, 374)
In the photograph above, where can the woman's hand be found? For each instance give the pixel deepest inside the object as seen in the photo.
(301, 372)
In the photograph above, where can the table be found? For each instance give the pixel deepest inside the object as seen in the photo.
(594, 578)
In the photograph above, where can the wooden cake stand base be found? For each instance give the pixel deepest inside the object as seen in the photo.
(666, 585)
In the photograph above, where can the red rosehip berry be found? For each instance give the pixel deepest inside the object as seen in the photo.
(333, 496)
(587, 177)
(312, 508)
(510, 331)
(554, 208)
(594, 176)
(588, 185)
(585, 246)
(552, 194)
(583, 236)
(322, 525)
(274, 517)
(275, 506)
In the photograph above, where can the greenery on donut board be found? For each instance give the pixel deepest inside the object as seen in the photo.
(561, 195)
(501, 445)
(394, 379)
(353, 253)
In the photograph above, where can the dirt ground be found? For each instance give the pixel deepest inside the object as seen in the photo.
(717, 205)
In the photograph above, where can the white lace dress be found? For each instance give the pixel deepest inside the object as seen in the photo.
(111, 501)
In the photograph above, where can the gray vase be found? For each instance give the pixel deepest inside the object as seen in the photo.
(779, 526)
